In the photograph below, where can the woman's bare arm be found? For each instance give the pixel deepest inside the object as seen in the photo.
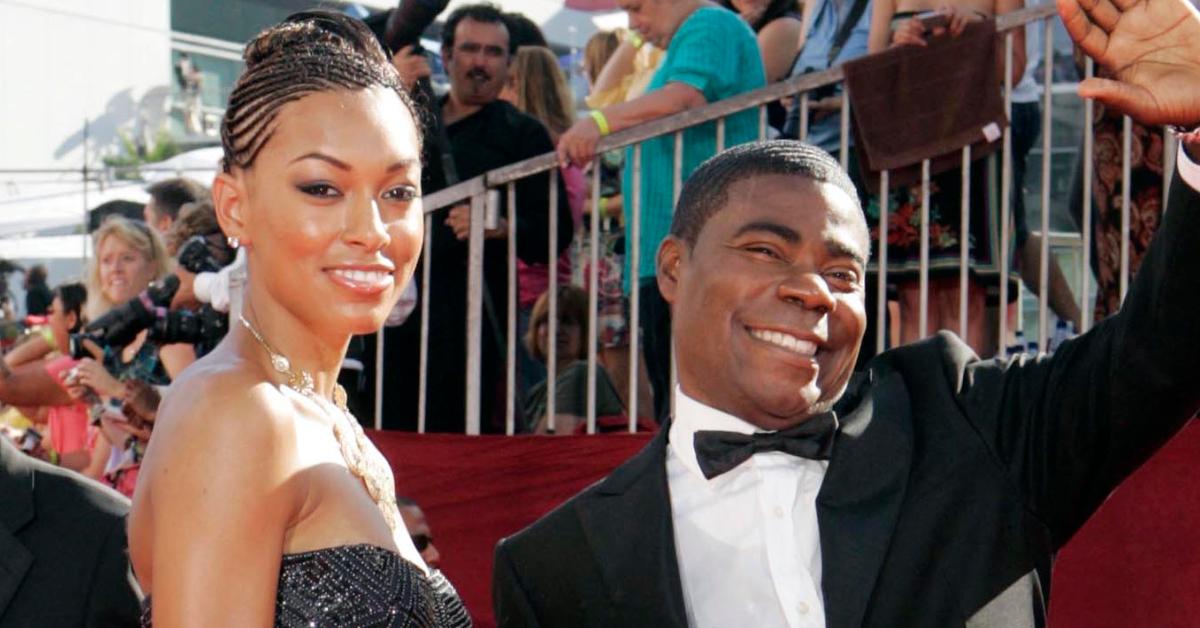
(618, 66)
(34, 348)
(779, 42)
(880, 35)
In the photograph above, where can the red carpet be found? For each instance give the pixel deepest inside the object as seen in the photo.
(1135, 565)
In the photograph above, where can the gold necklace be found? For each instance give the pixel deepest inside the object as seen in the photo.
(364, 461)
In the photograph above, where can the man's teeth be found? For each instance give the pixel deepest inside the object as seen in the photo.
(787, 341)
(364, 276)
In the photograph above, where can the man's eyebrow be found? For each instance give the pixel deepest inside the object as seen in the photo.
(840, 249)
(782, 231)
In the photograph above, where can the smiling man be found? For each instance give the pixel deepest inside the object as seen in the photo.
(931, 489)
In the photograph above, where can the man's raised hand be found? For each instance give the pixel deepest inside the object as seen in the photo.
(1152, 48)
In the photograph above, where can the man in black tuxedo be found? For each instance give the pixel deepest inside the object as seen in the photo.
(931, 489)
(63, 559)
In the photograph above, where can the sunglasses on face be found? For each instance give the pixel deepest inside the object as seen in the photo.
(422, 541)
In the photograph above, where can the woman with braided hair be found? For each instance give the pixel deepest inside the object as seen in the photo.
(260, 499)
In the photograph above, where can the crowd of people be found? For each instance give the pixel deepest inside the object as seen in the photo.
(313, 229)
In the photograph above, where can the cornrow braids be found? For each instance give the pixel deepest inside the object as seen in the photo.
(309, 52)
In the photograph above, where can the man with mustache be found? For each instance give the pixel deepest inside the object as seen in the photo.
(931, 489)
(484, 133)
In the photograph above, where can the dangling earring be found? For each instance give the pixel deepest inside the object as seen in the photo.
(233, 242)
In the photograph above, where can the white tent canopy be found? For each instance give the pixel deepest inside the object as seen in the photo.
(570, 28)
(200, 165)
(27, 215)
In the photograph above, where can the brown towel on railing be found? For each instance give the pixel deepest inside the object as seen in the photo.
(910, 103)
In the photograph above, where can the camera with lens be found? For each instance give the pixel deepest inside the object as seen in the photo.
(120, 325)
(196, 256)
(203, 329)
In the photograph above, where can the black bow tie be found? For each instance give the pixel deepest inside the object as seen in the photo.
(718, 452)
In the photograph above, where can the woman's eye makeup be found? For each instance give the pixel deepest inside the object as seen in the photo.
(318, 189)
(401, 193)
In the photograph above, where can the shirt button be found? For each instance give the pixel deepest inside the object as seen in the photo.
(779, 512)
(803, 608)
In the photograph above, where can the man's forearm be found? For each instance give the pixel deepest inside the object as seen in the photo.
(671, 99)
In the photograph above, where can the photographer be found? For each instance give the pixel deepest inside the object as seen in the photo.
(202, 255)
(128, 256)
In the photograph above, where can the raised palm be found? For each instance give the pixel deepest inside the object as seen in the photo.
(1152, 48)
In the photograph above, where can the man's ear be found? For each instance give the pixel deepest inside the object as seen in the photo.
(229, 196)
(672, 253)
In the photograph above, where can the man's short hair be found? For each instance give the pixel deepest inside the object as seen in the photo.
(171, 194)
(523, 31)
(706, 190)
(485, 12)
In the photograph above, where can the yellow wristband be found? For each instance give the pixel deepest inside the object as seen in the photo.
(603, 206)
(47, 334)
(635, 39)
(601, 122)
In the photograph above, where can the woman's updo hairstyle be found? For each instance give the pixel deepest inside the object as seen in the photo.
(308, 52)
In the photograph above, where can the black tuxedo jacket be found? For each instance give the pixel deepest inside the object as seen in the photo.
(953, 480)
(63, 559)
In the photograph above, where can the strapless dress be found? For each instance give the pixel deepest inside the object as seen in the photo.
(360, 585)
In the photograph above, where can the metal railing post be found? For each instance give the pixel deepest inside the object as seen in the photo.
(923, 281)
(1005, 194)
(510, 362)
(1126, 176)
(552, 320)
(593, 300)
(1044, 254)
(881, 328)
(1089, 138)
(475, 312)
(964, 244)
(423, 382)
(634, 252)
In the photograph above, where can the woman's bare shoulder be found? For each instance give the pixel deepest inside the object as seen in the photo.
(225, 400)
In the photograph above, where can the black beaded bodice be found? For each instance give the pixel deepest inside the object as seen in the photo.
(360, 585)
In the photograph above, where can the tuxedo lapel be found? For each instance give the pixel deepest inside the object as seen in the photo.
(862, 492)
(628, 525)
(16, 487)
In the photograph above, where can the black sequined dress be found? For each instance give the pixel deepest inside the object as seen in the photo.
(360, 585)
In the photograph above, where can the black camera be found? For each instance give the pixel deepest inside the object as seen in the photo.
(203, 329)
(120, 325)
(196, 257)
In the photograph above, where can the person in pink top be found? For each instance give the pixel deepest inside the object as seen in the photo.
(40, 384)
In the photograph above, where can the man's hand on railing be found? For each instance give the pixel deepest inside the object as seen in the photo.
(1152, 47)
(459, 220)
(578, 144)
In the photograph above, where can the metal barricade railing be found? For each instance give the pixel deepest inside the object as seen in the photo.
(475, 192)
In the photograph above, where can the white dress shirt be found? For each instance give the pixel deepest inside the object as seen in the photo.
(747, 541)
